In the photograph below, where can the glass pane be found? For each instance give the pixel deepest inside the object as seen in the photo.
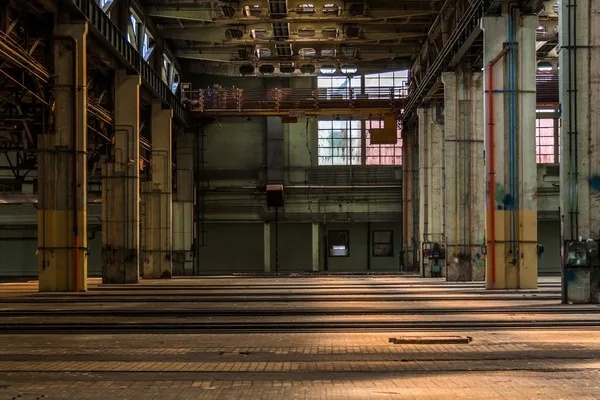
(382, 250)
(325, 152)
(325, 124)
(325, 161)
(325, 142)
(382, 237)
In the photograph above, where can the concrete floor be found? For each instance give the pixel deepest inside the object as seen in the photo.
(296, 338)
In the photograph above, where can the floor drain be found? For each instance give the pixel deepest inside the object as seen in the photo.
(432, 340)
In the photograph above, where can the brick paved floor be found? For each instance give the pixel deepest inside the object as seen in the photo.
(558, 363)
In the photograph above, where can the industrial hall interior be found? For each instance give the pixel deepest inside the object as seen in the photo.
(291, 199)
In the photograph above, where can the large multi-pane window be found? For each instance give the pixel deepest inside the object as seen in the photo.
(339, 86)
(547, 137)
(382, 154)
(339, 142)
(394, 79)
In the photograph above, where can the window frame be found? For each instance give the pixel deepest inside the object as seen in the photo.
(397, 147)
(353, 130)
(374, 243)
(329, 245)
(548, 114)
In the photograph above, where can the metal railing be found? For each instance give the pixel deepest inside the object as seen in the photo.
(283, 99)
(121, 47)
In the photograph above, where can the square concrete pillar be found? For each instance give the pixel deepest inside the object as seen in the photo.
(121, 187)
(158, 232)
(183, 205)
(62, 170)
(431, 184)
(316, 246)
(511, 168)
(464, 205)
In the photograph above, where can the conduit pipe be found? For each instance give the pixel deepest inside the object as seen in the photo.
(512, 131)
(492, 206)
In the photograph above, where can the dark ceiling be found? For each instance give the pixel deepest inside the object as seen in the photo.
(226, 35)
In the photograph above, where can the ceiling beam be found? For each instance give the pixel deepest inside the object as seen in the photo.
(196, 14)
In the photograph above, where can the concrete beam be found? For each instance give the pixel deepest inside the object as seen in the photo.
(205, 14)
(62, 169)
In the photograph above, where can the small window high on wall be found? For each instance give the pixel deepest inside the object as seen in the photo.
(382, 154)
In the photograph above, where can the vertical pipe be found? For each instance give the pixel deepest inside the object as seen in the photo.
(570, 132)
(512, 132)
(369, 246)
(492, 207)
(276, 240)
(75, 170)
(573, 4)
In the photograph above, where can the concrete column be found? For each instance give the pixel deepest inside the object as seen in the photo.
(431, 185)
(62, 179)
(511, 261)
(464, 208)
(580, 136)
(316, 251)
(183, 206)
(267, 246)
(410, 166)
(121, 187)
(159, 217)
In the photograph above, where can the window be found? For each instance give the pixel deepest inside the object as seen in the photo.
(383, 243)
(175, 81)
(339, 243)
(147, 46)
(306, 8)
(382, 154)
(338, 87)
(395, 79)
(339, 143)
(545, 141)
(104, 4)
